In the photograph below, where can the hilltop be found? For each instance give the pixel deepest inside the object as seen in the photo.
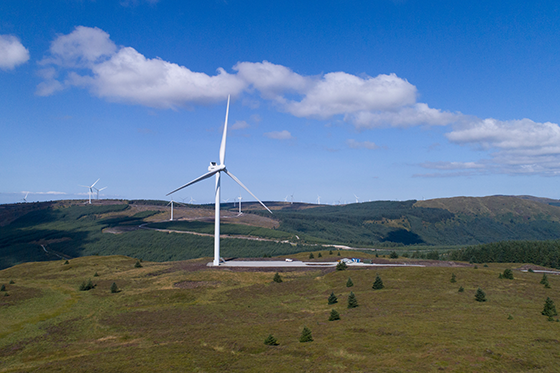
(138, 228)
(183, 316)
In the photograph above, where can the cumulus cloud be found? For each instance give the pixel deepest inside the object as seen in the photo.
(452, 165)
(12, 52)
(279, 135)
(361, 144)
(88, 58)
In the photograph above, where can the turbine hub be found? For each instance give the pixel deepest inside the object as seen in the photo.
(215, 167)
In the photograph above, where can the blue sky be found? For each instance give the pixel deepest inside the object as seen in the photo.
(380, 99)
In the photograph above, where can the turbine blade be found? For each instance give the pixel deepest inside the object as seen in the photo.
(205, 176)
(102, 189)
(224, 136)
(244, 187)
(92, 185)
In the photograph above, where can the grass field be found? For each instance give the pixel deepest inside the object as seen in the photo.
(186, 317)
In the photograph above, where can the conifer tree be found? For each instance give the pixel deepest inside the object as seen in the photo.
(508, 274)
(338, 253)
(334, 316)
(330, 252)
(138, 265)
(549, 308)
(319, 255)
(12, 282)
(95, 274)
(394, 255)
(341, 266)
(544, 279)
(311, 256)
(271, 341)
(461, 289)
(67, 262)
(378, 283)
(277, 278)
(349, 283)
(352, 301)
(453, 278)
(114, 288)
(3, 288)
(480, 296)
(306, 335)
(332, 299)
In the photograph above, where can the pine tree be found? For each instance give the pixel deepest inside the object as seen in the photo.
(338, 253)
(341, 266)
(95, 274)
(332, 299)
(334, 316)
(306, 335)
(67, 262)
(3, 288)
(271, 341)
(378, 283)
(453, 278)
(319, 255)
(311, 256)
(547, 285)
(544, 279)
(394, 255)
(330, 252)
(352, 301)
(12, 282)
(549, 308)
(508, 274)
(461, 289)
(114, 288)
(349, 283)
(277, 278)
(480, 296)
(500, 276)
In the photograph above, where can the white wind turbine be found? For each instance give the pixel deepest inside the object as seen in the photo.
(171, 203)
(357, 199)
(217, 169)
(318, 199)
(239, 198)
(90, 191)
(99, 190)
(24, 199)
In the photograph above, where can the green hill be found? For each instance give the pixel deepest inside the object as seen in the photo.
(68, 229)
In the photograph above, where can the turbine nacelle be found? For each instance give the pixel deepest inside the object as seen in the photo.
(214, 167)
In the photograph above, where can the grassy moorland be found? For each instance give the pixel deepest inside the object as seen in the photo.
(184, 316)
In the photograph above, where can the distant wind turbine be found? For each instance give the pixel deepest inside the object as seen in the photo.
(99, 190)
(24, 199)
(357, 199)
(318, 199)
(171, 203)
(217, 169)
(239, 198)
(90, 191)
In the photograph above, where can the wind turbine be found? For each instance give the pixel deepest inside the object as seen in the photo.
(357, 199)
(171, 203)
(239, 198)
(99, 190)
(24, 199)
(318, 199)
(90, 192)
(217, 169)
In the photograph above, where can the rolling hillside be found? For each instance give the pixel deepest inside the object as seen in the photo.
(68, 229)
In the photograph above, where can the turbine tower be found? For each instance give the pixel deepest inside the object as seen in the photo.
(318, 199)
(99, 190)
(90, 191)
(239, 198)
(217, 169)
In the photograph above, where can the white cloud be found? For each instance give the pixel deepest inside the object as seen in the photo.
(452, 165)
(239, 125)
(406, 116)
(361, 144)
(82, 48)
(342, 93)
(12, 52)
(279, 135)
